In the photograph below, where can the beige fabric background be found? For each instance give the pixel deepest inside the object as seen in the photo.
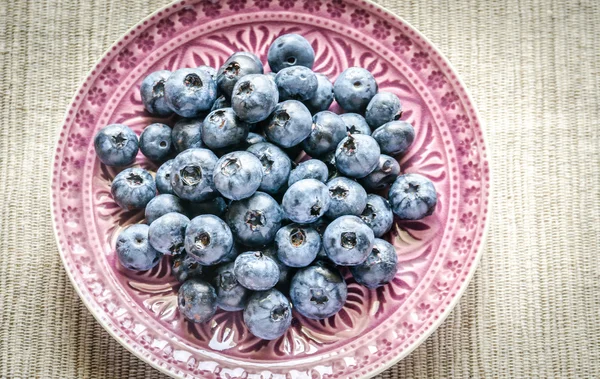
(533, 308)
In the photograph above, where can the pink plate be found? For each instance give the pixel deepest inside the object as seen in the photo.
(376, 328)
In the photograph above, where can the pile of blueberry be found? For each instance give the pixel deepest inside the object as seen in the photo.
(243, 224)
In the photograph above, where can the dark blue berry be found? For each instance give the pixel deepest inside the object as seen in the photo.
(348, 241)
(395, 137)
(383, 108)
(378, 215)
(256, 271)
(222, 129)
(310, 169)
(289, 124)
(268, 314)
(354, 89)
(297, 245)
(255, 220)
(216, 206)
(161, 205)
(238, 175)
(189, 92)
(356, 124)
(318, 291)
(347, 198)
(306, 201)
(187, 134)
(185, 267)
(133, 188)
(276, 166)
(197, 300)
(208, 239)
(380, 266)
(323, 97)
(254, 97)
(412, 197)
(384, 175)
(357, 156)
(167, 233)
(231, 295)
(296, 83)
(328, 130)
(234, 68)
(192, 175)
(116, 145)
(155, 142)
(290, 50)
(163, 178)
(152, 91)
(133, 250)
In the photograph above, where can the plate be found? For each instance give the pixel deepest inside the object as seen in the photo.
(376, 328)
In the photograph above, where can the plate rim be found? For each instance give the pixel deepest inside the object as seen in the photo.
(419, 340)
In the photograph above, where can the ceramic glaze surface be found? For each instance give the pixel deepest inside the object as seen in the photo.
(437, 255)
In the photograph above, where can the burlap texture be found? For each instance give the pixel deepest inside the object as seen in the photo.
(533, 308)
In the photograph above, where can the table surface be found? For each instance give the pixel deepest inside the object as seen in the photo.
(532, 309)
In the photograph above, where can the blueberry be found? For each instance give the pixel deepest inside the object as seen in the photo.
(323, 97)
(296, 83)
(290, 50)
(395, 137)
(306, 201)
(412, 197)
(192, 175)
(231, 295)
(222, 128)
(210, 71)
(347, 198)
(155, 142)
(357, 156)
(289, 124)
(163, 178)
(216, 206)
(356, 124)
(185, 267)
(276, 166)
(133, 188)
(255, 220)
(354, 89)
(348, 241)
(297, 245)
(238, 175)
(208, 239)
(152, 91)
(248, 54)
(256, 271)
(116, 145)
(133, 250)
(268, 314)
(320, 225)
(318, 291)
(190, 91)
(378, 215)
(161, 205)
(380, 266)
(166, 234)
(254, 138)
(328, 130)
(220, 103)
(284, 270)
(187, 134)
(197, 300)
(386, 172)
(233, 69)
(383, 108)
(310, 169)
(254, 97)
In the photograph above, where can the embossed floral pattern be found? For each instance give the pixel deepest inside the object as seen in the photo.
(402, 43)
(165, 28)
(312, 5)
(382, 29)
(360, 18)
(145, 42)
(336, 8)
(126, 59)
(336, 50)
(420, 60)
(109, 76)
(436, 80)
(236, 5)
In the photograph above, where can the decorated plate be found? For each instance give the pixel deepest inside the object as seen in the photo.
(376, 328)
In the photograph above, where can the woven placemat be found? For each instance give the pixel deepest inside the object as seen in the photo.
(533, 68)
